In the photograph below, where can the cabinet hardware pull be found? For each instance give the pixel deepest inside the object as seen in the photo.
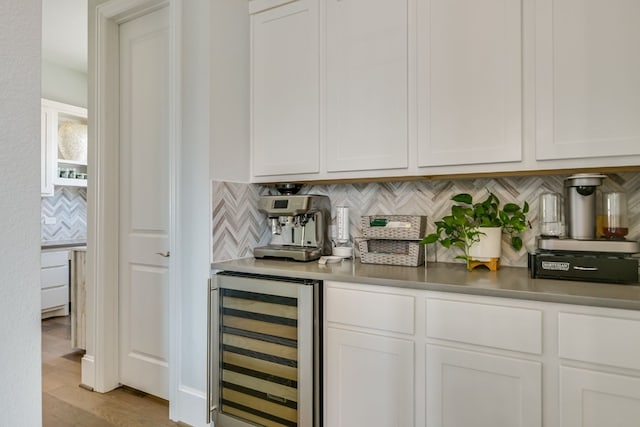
(585, 268)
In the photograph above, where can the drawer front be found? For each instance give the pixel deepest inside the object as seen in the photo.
(54, 297)
(54, 258)
(599, 339)
(54, 276)
(508, 328)
(374, 310)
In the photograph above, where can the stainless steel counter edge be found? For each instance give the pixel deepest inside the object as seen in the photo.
(508, 282)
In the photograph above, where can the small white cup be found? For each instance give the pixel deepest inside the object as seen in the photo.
(343, 251)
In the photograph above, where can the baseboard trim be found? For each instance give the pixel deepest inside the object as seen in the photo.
(88, 371)
(191, 408)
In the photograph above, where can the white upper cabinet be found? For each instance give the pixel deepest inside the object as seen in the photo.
(285, 109)
(367, 84)
(470, 82)
(587, 79)
(63, 146)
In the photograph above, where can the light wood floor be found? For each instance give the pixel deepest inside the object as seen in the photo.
(66, 404)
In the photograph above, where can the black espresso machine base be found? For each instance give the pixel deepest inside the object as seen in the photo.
(585, 267)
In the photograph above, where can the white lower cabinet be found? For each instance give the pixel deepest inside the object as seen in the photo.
(370, 380)
(589, 398)
(369, 356)
(54, 282)
(472, 388)
(600, 367)
(406, 357)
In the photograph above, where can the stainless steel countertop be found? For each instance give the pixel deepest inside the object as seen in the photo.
(508, 282)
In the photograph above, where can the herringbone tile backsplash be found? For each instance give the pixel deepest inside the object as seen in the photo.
(238, 226)
(69, 207)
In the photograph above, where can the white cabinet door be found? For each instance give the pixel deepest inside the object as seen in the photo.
(469, 388)
(594, 399)
(285, 103)
(370, 380)
(54, 282)
(470, 82)
(367, 84)
(47, 153)
(587, 78)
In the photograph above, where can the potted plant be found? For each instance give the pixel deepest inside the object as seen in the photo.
(469, 222)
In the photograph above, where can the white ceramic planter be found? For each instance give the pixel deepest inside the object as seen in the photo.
(489, 246)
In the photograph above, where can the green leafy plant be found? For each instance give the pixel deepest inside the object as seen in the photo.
(463, 227)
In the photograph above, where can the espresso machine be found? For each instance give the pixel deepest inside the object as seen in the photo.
(299, 226)
(590, 249)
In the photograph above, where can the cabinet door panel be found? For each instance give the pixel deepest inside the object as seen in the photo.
(285, 110)
(587, 78)
(54, 297)
(508, 328)
(374, 310)
(470, 102)
(618, 339)
(367, 91)
(370, 380)
(467, 388)
(594, 399)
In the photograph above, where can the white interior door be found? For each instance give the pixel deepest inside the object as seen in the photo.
(144, 203)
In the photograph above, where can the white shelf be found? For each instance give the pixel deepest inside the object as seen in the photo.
(72, 162)
(70, 182)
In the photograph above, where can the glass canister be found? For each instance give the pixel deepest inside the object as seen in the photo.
(550, 214)
(615, 220)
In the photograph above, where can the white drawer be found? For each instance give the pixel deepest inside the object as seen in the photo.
(54, 276)
(53, 258)
(600, 339)
(508, 328)
(375, 310)
(54, 297)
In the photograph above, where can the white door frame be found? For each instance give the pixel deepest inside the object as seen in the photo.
(100, 364)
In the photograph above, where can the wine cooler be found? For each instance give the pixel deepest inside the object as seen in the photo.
(264, 365)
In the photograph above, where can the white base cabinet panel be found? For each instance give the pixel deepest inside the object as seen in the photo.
(370, 380)
(595, 399)
(469, 388)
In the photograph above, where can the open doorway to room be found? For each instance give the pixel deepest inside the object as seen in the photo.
(65, 173)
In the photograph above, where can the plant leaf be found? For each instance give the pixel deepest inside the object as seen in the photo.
(511, 208)
(516, 242)
(463, 198)
(431, 238)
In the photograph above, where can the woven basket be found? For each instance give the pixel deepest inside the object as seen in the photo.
(393, 252)
(415, 231)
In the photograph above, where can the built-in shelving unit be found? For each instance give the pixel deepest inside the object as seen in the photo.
(64, 146)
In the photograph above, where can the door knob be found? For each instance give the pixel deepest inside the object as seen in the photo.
(164, 254)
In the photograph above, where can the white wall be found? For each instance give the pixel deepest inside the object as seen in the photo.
(20, 388)
(194, 213)
(64, 84)
(215, 145)
(230, 90)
